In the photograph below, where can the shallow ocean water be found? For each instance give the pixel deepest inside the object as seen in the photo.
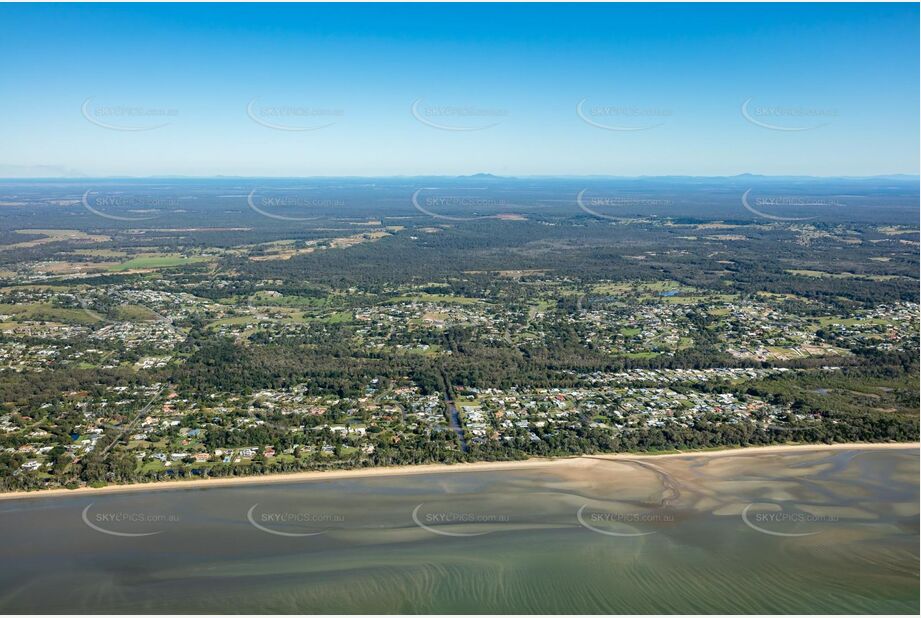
(812, 531)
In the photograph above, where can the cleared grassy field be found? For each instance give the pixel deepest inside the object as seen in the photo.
(435, 298)
(49, 236)
(819, 274)
(46, 313)
(157, 261)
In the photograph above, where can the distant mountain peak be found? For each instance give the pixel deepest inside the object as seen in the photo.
(481, 175)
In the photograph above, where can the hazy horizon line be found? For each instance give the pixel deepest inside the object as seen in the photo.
(458, 176)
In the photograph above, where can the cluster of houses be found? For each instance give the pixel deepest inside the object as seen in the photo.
(412, 326)
(173, 430)
(758, 331)
(885, 327)
(18, 356)
(680, 376)
(500, 414)
(157, 334)
(635, 329)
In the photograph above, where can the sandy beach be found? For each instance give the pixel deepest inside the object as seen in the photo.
(482, 466)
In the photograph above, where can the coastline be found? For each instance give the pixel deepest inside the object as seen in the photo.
(436, 468)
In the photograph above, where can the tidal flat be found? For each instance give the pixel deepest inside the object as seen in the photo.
(805, 531)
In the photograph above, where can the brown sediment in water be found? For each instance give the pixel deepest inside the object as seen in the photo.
(827, 530)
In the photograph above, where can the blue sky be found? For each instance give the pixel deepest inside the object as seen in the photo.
(229, 89)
